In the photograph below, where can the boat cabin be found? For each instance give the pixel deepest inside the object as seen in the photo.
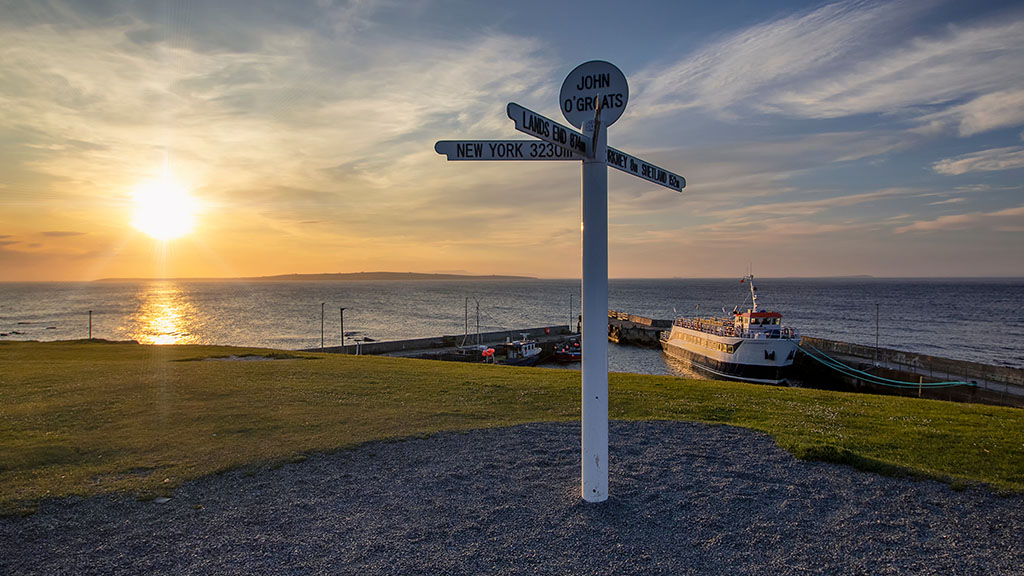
(754, 323)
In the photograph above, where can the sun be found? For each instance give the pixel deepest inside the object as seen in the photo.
(163, 210)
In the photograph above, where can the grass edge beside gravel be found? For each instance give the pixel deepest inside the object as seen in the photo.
(85, 418)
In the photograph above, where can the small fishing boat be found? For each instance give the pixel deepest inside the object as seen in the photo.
(752, 346)
(522, 352)
(568, 352)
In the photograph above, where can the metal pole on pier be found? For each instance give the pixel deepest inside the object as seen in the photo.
(876, 333)
(342, 310)
(570, 312)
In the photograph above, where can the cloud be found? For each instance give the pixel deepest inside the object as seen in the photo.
(850, 58)
(758, 61)
(811, 207)
(62, 234)
(982, 114)
(1007, 220)
(991, 160)
(956, 200)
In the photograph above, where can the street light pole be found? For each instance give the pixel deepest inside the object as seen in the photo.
(342, 310)
(876, 333)
(322, 326)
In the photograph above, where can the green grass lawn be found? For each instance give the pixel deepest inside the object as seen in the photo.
(82, 418)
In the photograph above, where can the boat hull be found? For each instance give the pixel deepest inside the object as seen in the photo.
(760, 361)
(524, 361)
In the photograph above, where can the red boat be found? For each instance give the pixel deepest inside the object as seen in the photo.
(566, 352)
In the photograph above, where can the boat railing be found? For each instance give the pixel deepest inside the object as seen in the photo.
(722, 328)
(707, 325)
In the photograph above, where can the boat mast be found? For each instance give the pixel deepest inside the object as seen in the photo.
(753, 291)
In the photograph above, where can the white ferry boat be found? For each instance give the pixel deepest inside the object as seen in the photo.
(752, 346)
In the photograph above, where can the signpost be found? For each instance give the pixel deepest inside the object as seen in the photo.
(593, 97)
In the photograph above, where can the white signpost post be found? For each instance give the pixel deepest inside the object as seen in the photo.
(593, 96)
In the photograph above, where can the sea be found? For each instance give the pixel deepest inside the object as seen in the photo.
(980, 320)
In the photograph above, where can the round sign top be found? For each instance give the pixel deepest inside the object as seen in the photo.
(589, 84)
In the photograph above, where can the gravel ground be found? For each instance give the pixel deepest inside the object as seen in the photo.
(685, 499)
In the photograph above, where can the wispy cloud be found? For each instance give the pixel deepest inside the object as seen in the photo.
(62, 233)
(984, 161)
(1008, 220)
(850, 58)
(982, 114)
(753, 65)
(811, 207)
(956, 200)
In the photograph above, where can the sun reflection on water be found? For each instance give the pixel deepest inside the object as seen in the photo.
(164, 315)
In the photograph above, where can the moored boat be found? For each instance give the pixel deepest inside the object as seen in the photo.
(522, 352)
(568, 351)
(752, 346)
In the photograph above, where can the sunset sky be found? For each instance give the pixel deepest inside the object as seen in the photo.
(817, 139)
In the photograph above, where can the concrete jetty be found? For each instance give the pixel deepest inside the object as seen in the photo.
(626, 328)
(546, 336)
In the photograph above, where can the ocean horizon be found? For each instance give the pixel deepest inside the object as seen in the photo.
(975, 319)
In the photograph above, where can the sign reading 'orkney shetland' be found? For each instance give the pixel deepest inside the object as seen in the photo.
(646, 170)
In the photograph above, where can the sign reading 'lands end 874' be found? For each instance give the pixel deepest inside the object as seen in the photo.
(591, 84)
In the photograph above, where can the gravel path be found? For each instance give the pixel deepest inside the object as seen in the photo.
(685, 499)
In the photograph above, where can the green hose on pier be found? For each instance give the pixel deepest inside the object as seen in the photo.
(838, 366)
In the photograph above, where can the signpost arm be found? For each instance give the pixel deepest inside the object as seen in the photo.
(594, 436)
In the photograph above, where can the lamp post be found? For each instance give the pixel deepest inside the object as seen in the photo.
(342, 312)
(322, 326)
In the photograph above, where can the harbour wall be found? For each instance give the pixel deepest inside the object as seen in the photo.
(991, 384)
(625, 328)
(438, 343)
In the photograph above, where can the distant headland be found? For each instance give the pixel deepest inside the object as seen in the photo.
(351, 276)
